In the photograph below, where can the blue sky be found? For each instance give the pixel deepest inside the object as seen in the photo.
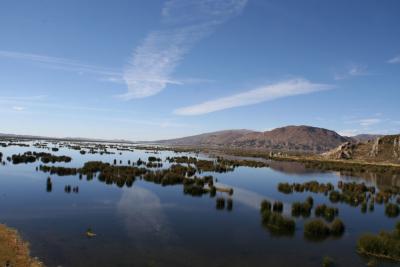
(145, 70)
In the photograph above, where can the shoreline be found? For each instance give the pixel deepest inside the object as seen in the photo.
(14, 250)
(310, 161)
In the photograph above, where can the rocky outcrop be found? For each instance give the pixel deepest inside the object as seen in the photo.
(344, 151)
(375, 148)
(382, 149)
(396, 148)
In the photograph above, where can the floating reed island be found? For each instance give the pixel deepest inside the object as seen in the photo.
(122, 175)
(274, 221)
(317, 229)
(30, 157)
(351, 193)
(220, 165)
(385, 245)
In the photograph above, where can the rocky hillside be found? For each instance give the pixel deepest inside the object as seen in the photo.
(290, 138)
(382, 149)
(366, 137)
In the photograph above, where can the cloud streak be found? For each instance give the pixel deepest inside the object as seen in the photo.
(18, 108)
(63, 64)
(353, 70)
(262, 94)
(156, 58)
(368, 122)
(394, 60)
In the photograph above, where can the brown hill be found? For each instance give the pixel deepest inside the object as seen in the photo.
(382, 149)
(221, 138)
(290, 138)
(293, 138)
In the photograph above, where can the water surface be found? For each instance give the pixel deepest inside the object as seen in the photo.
(151, 225)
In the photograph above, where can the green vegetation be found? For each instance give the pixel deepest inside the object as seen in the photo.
(126, 175)
(194, 190)
(317, 229)
(220, 165)
(60, 171)
(327, 262)
(265, 206)
(384, 245)
(30, 157)
(337, 227)
(311, 186)
(274, 221)
(154, 159)
(285, 188)
(328, 213)
(277, 207)
(301, 209)
(392, 210)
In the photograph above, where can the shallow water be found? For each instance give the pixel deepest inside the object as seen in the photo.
(151, 225)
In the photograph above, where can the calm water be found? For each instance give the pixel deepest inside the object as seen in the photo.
(152, 225)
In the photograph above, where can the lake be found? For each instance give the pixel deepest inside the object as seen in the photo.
(149, 224)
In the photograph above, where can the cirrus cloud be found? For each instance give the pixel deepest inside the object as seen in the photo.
(262, 94)
(394, 60)
(186, 22)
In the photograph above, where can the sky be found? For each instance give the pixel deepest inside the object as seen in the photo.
(150, 70)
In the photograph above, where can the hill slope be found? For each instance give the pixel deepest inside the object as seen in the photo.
(221, 138)
(290, 138)
(382, 149)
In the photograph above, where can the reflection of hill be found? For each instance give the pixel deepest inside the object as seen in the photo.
(380, 180)
(290, 167)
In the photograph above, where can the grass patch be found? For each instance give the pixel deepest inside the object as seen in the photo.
(14, 251)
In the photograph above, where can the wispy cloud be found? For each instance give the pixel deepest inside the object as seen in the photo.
(41, 101)
(349, 132)
(63, 64)
(22, 98)
(18, 108)
(186, 22)
(369, 122)
(394, 60)
(266, 93)
(352, 71)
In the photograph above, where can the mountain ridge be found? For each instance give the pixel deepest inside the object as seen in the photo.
(300, 138)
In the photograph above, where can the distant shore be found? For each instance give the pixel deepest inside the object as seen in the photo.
(310, 160)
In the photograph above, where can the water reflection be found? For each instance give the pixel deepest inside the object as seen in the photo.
(143, 215)
(250, 199)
